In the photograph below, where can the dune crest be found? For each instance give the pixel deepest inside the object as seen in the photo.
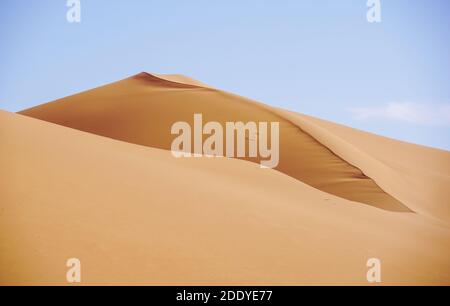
(141, 110)
(178, 78)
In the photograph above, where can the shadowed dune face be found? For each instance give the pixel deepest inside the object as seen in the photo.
(142, 109)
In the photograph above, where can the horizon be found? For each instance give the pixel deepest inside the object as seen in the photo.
(322, 58)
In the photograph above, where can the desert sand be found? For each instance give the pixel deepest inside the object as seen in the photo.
(91, 176)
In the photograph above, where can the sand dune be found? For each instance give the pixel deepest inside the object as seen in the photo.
(90, 176)
(136, 215)
(142, 109)
(414, 174)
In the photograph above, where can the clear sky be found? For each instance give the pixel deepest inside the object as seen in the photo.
(319, 57)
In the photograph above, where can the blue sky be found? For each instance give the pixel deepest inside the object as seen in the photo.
(319, 57)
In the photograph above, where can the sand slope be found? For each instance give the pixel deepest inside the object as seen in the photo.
(136, 215)
(416, 175)
(142, 109)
